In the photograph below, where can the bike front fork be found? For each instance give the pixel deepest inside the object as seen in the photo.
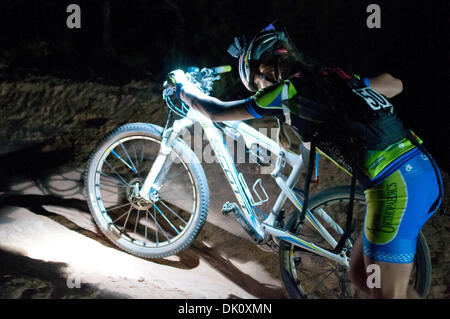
(153, 182)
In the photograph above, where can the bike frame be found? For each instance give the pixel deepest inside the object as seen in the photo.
(251, 136)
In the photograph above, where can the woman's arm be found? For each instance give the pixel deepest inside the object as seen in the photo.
(386, 84)
(212, 107)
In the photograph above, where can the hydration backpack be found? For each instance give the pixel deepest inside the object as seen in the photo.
(368, 117)
(355, 118)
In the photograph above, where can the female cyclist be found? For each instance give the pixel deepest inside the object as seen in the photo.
(351, 121)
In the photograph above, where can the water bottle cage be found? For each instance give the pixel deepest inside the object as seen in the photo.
(249, 194)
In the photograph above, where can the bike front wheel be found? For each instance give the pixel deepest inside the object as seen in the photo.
(116, 171)
(307, 275)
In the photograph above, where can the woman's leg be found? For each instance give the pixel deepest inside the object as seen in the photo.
(397, 208)
(357, 271)
(394, 281)
(394, 278)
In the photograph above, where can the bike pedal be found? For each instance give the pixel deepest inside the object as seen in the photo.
(228, 208)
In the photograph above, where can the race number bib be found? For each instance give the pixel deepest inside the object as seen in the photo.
(375, 100)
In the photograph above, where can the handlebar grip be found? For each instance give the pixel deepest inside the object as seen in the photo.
(222, 69)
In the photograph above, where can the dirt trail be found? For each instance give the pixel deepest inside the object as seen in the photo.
(52, 226)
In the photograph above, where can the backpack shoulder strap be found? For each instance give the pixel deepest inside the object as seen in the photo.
(285, 102)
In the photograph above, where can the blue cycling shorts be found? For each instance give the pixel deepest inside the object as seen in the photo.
(397, 208)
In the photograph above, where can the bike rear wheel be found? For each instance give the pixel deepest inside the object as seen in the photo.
(307, 275)
(116, 171)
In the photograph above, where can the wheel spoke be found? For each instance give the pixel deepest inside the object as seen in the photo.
(122, 181)
(157, 224)
(177, 199)
(322, 282)
(157, 240)
(120, 217)
(137, 220)
(120, 206)
(108, 183)
(109, 191)
(111, 187)
(126, 220)
(135, 156)
(123, 161)
(128, 156)
(115, 172)
(146, 223)
(345, 287)
(308, 273)
(173, 212)
(167, 220)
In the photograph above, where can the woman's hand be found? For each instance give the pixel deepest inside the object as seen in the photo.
(180, 82)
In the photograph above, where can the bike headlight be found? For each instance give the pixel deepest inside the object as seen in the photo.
(179, 76)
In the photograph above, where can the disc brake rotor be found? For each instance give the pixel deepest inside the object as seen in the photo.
(135, 199)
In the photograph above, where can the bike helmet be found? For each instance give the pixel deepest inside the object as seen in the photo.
(250, 55)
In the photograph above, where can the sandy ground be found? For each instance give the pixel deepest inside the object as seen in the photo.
(50, 246)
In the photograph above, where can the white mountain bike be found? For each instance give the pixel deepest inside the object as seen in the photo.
(148, 194)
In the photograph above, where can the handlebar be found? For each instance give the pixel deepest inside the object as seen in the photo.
(202, 78)
(205, 77)
(214, 70)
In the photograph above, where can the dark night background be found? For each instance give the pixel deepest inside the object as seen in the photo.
(62, 90)
(122, 41)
